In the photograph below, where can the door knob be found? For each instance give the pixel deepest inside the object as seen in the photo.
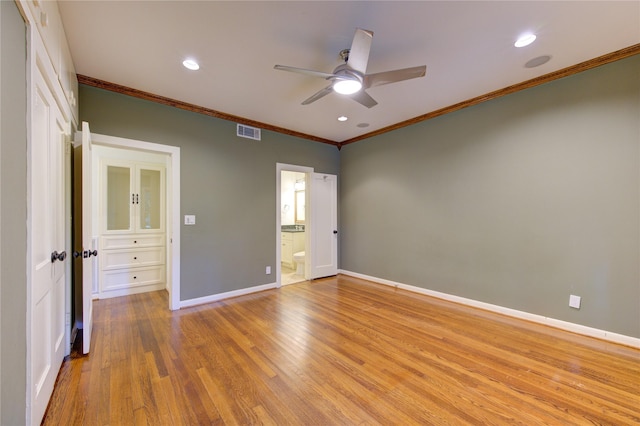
(88, 253)
(58, 256)
(335, 231)
(77, 254)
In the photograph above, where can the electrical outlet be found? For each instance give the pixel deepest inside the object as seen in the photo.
(189, 219)
(268, 270)
(574, 301)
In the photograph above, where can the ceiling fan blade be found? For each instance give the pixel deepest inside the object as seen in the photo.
(359, 52)
(318, 95)
(304, 71)
(363, 98)
(386, 77)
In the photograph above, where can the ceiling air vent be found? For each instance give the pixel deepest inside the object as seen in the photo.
(248, 132)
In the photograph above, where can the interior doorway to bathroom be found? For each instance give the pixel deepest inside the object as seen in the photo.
(293, 226)
(314, 221)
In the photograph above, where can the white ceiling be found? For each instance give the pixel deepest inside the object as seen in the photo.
(466, 45)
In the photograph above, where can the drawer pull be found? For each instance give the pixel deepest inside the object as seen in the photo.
(135, 258)
(135, 241)
(134, 277)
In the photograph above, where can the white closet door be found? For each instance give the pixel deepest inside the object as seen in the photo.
(324, 223)
(47, 254)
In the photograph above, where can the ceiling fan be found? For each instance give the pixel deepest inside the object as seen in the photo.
(350, 78)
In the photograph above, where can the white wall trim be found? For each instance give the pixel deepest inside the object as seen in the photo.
(540, 319)
(220, 296)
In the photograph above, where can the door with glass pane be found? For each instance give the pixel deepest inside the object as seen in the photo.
(149, 204)
(133, 197)
(119, 197)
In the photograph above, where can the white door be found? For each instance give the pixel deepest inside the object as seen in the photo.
(324, 225)
(47, 254)
(88, 251)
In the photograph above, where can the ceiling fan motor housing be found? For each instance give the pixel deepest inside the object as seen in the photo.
(345, 72)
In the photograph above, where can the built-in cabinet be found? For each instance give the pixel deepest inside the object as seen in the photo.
(133, 227)
(291, 242)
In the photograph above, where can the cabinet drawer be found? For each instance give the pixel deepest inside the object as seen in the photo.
(119, 279)
(287, 252)
(115, 259)
(132, 241)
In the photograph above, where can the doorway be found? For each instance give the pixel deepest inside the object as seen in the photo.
(172, 201)
(292, 223)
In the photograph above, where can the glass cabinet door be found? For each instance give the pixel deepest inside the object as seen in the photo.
(150, 182)
(119, 200)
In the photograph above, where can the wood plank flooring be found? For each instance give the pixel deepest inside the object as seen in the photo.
(338, 351)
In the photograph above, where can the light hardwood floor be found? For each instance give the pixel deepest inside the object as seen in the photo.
(338, 351)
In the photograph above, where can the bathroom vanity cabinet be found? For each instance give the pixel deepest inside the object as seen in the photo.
(292, 242)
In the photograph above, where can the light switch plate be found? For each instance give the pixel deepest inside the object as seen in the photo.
(189, 219)
(574, 301)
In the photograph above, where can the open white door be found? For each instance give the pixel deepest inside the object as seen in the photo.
(324, 225)
(88, 251)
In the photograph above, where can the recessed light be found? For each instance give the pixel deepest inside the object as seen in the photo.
(191, 64)
(525, 40)
(342, 118)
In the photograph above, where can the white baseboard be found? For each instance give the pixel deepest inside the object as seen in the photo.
(128, 291)
(563, 325)
(226, 295)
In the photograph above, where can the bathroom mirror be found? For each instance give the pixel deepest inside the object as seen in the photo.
(300, 207)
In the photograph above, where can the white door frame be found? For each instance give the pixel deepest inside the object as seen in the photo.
(280, 167)
(172, 204)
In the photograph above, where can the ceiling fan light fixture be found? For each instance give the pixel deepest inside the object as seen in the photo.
(347, 87)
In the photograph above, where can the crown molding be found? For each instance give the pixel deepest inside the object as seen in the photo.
(555, 75)
(117, 88)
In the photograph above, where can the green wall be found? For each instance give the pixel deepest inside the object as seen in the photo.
(13, 215)
(517, 202)
(228, 182)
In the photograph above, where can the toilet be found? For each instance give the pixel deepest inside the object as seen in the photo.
(299, 259)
